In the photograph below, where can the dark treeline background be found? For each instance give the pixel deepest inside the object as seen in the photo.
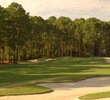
(25, 37)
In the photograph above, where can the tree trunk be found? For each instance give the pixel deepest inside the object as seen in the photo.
(3, 54)
(18, 54)
(9, 55)
(0, 55)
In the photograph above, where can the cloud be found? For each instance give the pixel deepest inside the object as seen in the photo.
(70, 8)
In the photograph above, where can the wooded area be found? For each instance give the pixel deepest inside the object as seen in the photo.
(24, 37)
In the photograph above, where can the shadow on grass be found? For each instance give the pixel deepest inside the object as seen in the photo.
(60, 70)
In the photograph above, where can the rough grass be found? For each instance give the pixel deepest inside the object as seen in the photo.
(96, 96)
(65, 69)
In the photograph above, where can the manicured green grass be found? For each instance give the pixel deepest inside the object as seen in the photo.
(64, 69)
(22, 90)
(96, 96)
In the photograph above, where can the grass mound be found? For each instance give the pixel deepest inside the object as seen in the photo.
(96, 96)
(23, 90)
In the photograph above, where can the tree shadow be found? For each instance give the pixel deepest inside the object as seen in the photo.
(52, 71)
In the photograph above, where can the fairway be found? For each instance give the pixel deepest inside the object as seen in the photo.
(64, 69)
(59, 70)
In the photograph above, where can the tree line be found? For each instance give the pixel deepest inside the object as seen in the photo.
(24, 37)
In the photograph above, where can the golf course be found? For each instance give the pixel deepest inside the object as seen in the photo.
(21, 79)
(54, 50)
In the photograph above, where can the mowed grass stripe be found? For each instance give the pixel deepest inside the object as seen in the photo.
(68, 67)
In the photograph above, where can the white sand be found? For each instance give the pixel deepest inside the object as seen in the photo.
(107, 59)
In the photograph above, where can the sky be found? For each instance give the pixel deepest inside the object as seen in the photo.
(68, 8)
